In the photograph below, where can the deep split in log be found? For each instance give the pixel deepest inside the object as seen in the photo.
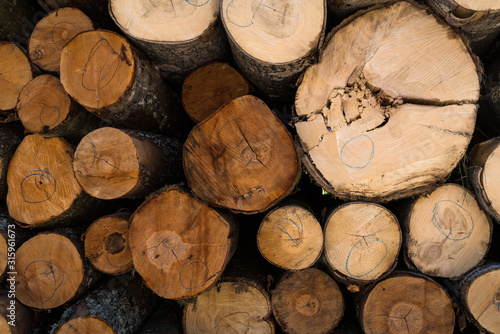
(387, 113)
(241, 157)
(101, 71)
(273, 42)
(307, 302)
(231, 306)
(180, 245)
(362, 243)
(106, 244)
(15, 318)
(209, 87)
(44, 107)
(11, 135)
(290, 237)
(447, 234)
(113, 163)
(42, 188)
(480, 292)
(52, 33)
(407, 303)
(15, 72)
(177, 35)
(52, 269)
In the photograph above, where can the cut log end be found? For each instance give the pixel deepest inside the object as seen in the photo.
(52, 33)
(97, 68)
(290, 237)
(107, 247)
(85, 325)
(307, 301)
(362, 241)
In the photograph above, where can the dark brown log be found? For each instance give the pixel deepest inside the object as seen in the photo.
(307, 302)
(447, 234)
(45, 108)
(118, 306)
(11, 135)
(241, 157)
(209, 87)
(340, 9)
(178, 36)
(480, 292)
(106, 75)
(15, 318)
(112, 163)
(52, 269)
(406, 303)
(273, 43)
(18, 19)
(180, 245)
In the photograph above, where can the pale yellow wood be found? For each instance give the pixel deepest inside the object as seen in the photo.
(479, 5)
(448, 234)
(274, 31)
(290, 237)
(166, 21)
(85, 325)
(483, 299)
(490, 177)
(362, 241)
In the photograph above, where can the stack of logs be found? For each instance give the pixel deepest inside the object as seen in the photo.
(243, 166)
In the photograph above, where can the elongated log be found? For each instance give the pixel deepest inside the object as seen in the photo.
(406, 303)
(240, 306)
(112, 163)
(307, 301)
(17, 20)
(182, 253)
(11, 237)
(209, 87)
(15, 72)
(408, 83)
(15, 318)
(483, 171)
(290, 237)
(42, 188)
(45, 108)
(119, 306)
(52, 33)
(273, 43)
(178, 36)
(11, 135)
(478, 19)
(447, 234)
(362, 243)
(101, 71)
(52, 269)
(241, 157)
(340, 9)
(106, 244)
(480, 294)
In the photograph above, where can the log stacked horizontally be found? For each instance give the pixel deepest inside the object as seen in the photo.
(249, 166)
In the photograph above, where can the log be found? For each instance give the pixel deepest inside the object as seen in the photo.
(479, 20)
(11, 135)
(42, 188)
(111, 163)
(178, 36)
(340, 9)
(447, 234)
(406, 303)
(209, 87)
(362, 243)
(17, 20)
(483, 166)
(480, 296)
(290, 237)
(241, 157)
(119, 306)
(183, 253)
(52, 33)
(232, 306)
(408, 83)
(106, 244)
(15, 318)
(492, 88)
(273, 43)
(11, 237)
(101, 71)
(51, 269)
(45, 108)
(15, 72)
(307, 301)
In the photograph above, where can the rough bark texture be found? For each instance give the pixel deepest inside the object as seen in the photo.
(15, 318)
(166, 319)
(11, 238)
(18, 19)
(11, 135)
(341, 9)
